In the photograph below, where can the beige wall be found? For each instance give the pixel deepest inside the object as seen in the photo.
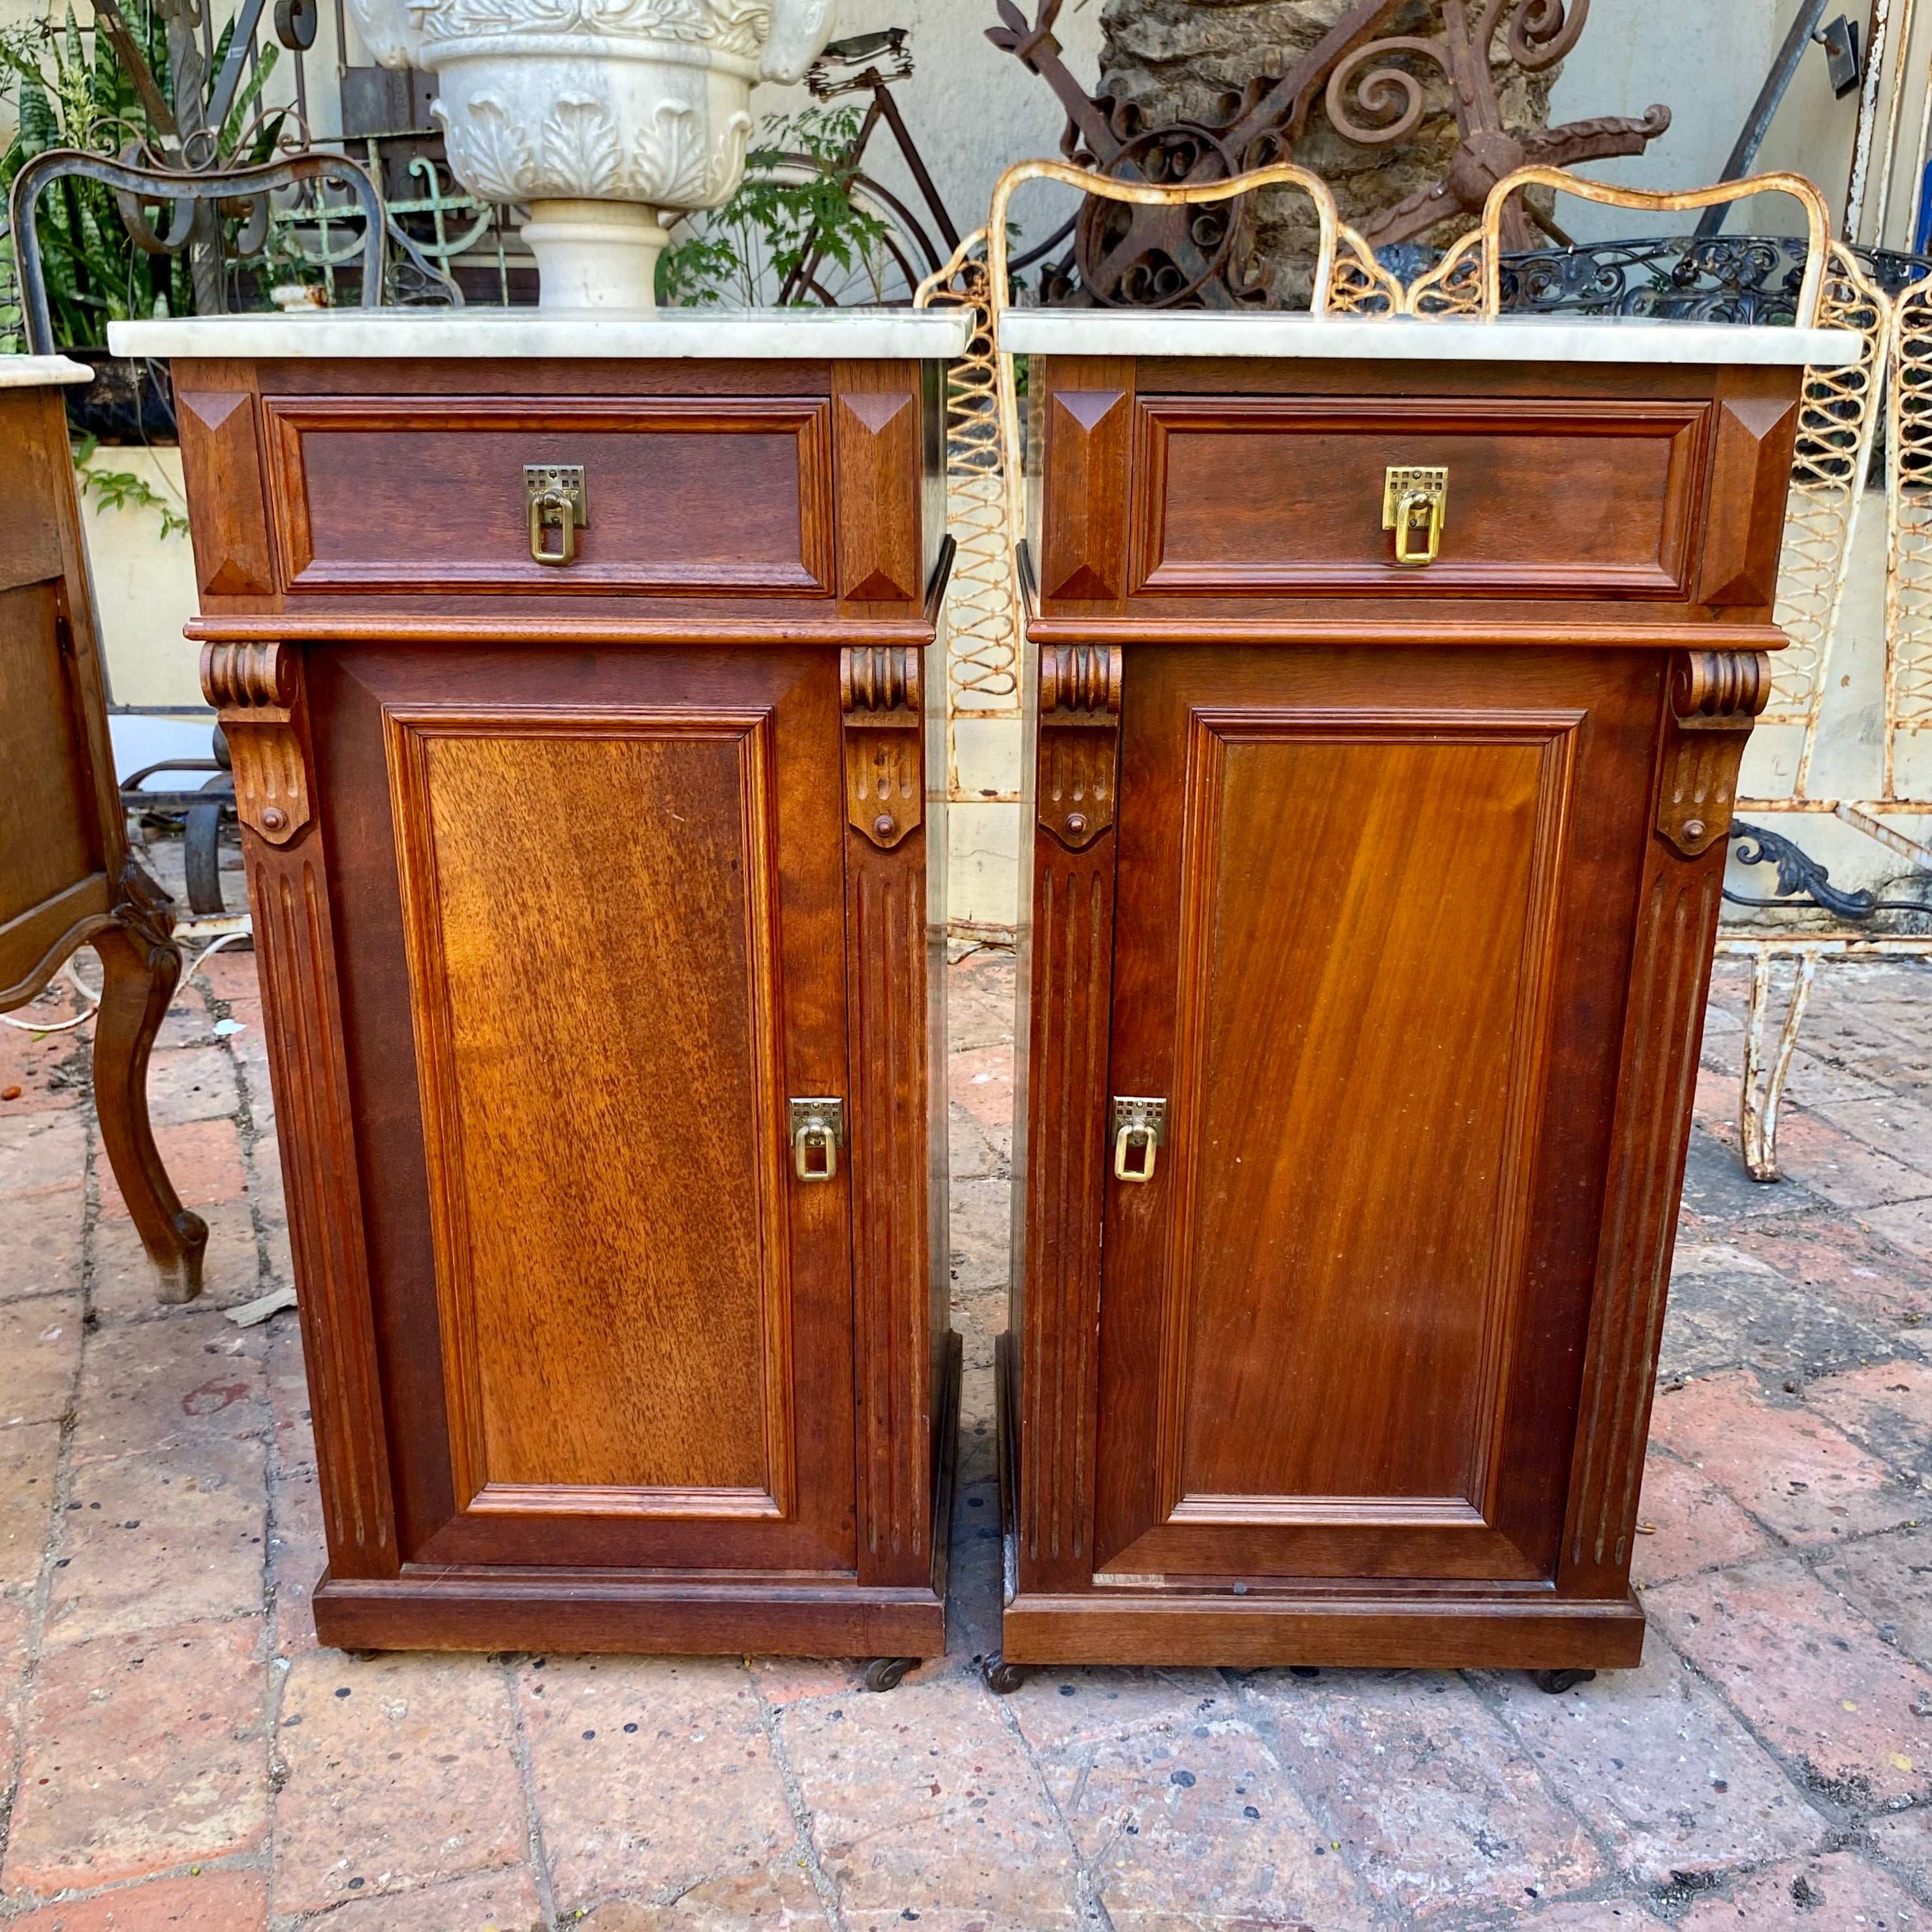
(144, 589)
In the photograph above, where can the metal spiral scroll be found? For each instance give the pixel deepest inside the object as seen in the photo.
(982, 618)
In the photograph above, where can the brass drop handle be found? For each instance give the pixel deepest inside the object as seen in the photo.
(1140, 1132)
(553, 509)
(554, 496)
(818, 1133)
(1415, 505)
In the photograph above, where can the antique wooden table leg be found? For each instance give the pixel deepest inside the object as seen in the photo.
(142, 966)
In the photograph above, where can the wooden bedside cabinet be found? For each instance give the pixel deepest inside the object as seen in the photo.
(1391, 681)
(576, 676)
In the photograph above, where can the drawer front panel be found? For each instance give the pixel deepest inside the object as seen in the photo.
(684, 497)
(1549, 498)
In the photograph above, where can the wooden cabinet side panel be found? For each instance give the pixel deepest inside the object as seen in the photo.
(27, 451)
(295, 947)
(1706, 722)
(890, 1075)
(886, 956)
(1074, 786)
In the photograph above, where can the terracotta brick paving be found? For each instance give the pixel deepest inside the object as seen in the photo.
(177, 1752)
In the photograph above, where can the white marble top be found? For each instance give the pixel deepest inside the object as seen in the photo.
(619, 335)
(1512, 338)
(40, 372)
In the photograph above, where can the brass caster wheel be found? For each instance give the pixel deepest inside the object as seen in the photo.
(1554, 1683)
(888, 1673)
(1001, 1677)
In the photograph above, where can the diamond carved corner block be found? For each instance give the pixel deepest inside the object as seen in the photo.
(885, 769)
(1751, 478)
(1715, 697)
(256, 691)
(1086, 465)
(876, 435)
(229, 523)
(1079, 742)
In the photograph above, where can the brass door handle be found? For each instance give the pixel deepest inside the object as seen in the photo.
(553, 494)
(1140, 1132)
(544, 513)
(1415, 505)
(818, 1133)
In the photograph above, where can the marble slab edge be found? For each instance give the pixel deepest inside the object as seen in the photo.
(1459, 339)
(803, 334)
(41, 372)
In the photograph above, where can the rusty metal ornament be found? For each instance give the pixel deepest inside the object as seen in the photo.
(1389, 102)
(1139, 257)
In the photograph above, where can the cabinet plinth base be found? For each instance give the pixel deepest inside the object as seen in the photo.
(1123, 1628)
(566, 1611)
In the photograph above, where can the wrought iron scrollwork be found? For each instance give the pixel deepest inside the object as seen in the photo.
(182, 190)
(1801, 878)
(1750, 280)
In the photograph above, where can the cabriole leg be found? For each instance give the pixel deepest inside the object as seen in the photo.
(141, 966)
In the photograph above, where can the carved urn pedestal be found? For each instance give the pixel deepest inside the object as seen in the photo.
(575, 675)
(1392, 681)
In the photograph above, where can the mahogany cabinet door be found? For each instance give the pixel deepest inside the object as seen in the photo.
(1375, 909)
(590, 920)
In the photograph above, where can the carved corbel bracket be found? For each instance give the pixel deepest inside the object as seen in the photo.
(879, 687)
(256, 691)
(1715, 697)
(1079, 742)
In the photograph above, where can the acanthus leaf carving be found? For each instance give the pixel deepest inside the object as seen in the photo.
(581, 147)
(490, 153)
(751, 29)
(143, 910)
(645, 101)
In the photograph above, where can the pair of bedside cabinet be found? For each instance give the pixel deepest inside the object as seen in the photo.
(580, 685)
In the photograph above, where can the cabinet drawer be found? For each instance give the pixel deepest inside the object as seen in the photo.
(683, 495)
(1545, 498)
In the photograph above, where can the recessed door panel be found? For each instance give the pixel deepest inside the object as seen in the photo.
(1343, 928)
(1358, 998)
(596, 1019)
(617, 1320)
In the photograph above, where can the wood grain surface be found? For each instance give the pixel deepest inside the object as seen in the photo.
(684, 494)
(1545, 498)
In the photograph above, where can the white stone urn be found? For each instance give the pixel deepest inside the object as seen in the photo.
(599, 114)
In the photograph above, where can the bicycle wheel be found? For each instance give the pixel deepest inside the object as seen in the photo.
(793, 236)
